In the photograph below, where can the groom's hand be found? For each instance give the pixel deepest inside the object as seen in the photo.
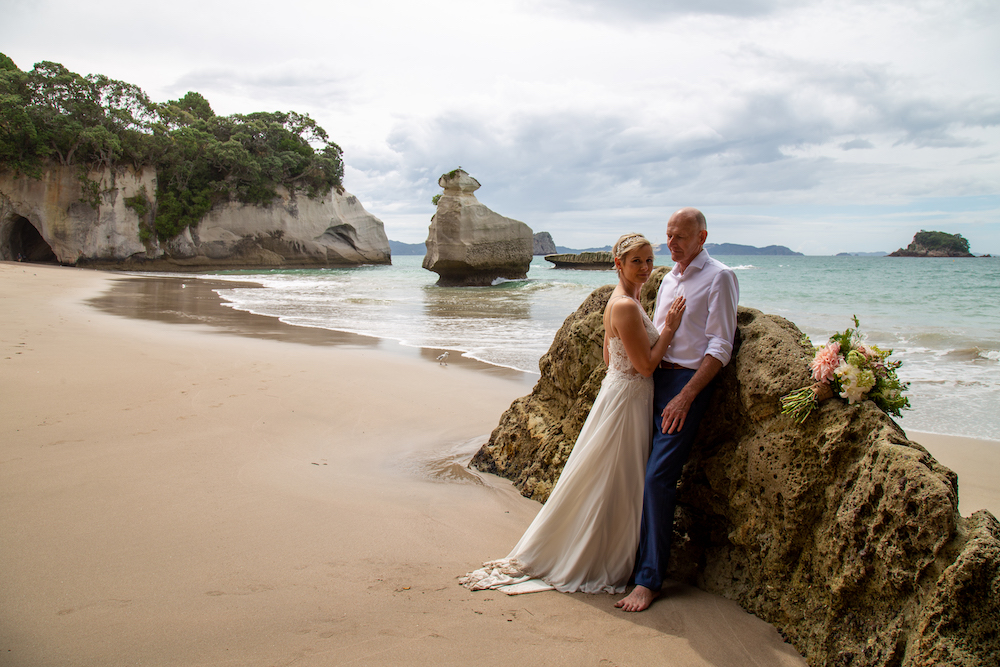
(675, 413)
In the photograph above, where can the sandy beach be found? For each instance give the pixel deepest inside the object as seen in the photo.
(207, 487)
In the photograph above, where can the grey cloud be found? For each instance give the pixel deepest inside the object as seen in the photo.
(987, 159)
(642, 10)
(883, 103)
(290, 83)
(930, 125)
(550, 162)
(565, 162)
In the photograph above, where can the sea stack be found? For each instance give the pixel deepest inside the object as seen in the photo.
(543, 244)
(468, 244)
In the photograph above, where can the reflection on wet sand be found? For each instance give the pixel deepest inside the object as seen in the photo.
(448, 465)
(191, 300)
(188, 300)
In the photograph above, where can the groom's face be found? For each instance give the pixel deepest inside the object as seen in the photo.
(684, 239)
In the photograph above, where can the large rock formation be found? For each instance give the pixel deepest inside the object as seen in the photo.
(543, 244)
(840, 532)
(49, 215)
(468, 244)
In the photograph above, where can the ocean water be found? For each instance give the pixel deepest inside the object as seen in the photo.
(941, 317)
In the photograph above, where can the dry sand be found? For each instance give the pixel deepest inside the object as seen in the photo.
(176, 493)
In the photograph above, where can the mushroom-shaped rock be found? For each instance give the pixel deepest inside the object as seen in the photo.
(468, 244)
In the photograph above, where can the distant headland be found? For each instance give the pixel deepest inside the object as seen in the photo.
(738, 249)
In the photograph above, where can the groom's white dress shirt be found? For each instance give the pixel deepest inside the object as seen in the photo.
(708, 325)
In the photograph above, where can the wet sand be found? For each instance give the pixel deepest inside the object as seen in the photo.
(189, 300)
(182, 483)
(976, 462)
(176, 494)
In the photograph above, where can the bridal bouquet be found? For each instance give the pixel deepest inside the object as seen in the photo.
(852, 369)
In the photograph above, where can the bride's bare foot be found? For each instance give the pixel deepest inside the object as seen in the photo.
(639, 599)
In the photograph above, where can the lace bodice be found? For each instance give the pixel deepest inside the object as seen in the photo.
(618, 361)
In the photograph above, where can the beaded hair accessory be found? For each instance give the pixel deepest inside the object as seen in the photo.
(628, 242)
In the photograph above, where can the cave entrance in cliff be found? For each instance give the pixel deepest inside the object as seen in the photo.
(27, 245)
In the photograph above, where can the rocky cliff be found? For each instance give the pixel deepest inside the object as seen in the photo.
(47, 219)
(468, 244)
(840, 532)
(543, 244)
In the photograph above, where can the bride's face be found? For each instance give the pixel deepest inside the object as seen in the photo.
(636, 265)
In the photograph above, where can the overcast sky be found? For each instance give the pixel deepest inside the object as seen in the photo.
(824, 126)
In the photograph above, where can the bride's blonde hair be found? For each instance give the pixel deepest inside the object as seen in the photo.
(627, 243)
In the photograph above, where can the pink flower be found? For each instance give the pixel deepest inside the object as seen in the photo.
(826, 362)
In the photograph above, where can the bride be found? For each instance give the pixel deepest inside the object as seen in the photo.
(585, 536)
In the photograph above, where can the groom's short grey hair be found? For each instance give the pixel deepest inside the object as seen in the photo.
(702, 222)
(698, 216)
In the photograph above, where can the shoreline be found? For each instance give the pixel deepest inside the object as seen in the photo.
(193, 300)
(190, 490)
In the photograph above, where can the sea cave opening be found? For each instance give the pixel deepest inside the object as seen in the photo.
(27, 245)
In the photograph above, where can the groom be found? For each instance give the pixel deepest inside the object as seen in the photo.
(702, 345)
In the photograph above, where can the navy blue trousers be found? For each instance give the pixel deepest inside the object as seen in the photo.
(666, 461)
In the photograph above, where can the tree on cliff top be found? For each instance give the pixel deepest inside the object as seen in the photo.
(201, 159)
(940, 241)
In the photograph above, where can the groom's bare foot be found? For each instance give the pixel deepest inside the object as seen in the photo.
(640, 598)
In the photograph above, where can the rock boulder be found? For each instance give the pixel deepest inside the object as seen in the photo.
(468, 244)
(841, 532)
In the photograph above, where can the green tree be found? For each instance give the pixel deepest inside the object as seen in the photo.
(941, 241)
(201, 159)
(20, 148)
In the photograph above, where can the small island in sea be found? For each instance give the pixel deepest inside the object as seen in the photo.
(935, 244)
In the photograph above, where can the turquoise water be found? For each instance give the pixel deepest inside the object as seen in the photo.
(940, 316)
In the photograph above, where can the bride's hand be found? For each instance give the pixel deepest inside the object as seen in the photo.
(674, 314)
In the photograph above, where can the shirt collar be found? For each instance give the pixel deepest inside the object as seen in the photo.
(698, 262)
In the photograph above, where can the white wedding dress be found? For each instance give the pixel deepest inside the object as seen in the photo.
(585, 536)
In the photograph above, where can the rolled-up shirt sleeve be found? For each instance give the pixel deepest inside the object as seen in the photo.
(720, 328)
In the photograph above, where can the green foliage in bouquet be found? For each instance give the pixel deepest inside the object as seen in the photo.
(851, 369)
